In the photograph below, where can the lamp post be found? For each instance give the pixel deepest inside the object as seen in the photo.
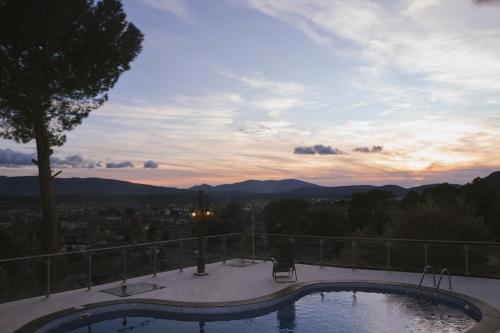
(249, 208)
(200, 214)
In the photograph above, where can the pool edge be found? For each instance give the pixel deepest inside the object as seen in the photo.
(489, 322)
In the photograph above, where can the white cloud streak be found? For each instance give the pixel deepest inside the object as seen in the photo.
(179, 8)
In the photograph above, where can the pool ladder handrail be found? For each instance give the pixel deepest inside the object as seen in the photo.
(444, 270)
(427, 269)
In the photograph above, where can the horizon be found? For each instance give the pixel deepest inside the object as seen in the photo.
(263, 180)
(334, 93)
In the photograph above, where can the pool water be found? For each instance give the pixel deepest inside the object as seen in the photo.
(339, 311)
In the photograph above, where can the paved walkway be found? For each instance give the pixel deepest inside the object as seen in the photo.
(226, 283)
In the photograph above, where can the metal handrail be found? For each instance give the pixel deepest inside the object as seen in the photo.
(112, 248)
(426, 270)
(48, 259)
(159, 243)
(444, 270)
(403, 240)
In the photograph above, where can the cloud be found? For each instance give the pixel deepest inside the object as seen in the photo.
(11, 158)
(253, 129)
(442, 42)
(486, 2)
(260, 82)
(317, 149)
(150, 165)
(271, 96)
(74, 161)
(374, 149)
(14, 159)
(177, 7)
(304, 151)
(119, 165)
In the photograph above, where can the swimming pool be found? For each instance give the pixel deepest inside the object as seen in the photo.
(306, 308)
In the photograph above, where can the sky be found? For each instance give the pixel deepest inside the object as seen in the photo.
(333, 92)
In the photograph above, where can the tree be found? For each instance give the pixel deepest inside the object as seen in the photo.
(370, 209)
(286, 216)
(58, 58)
(437, 220)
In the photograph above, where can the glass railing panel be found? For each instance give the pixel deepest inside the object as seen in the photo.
(371, 254)
(139, 261)
(22, 279)
(445, 255)
(261, 247)
(68, 272)
(213, 249)
(107, 266)
(190, 253)
(273, 243)
(235, 247)
(168, 256)
(337, 252)
(307, 250)
(484, 260)
(407, 256)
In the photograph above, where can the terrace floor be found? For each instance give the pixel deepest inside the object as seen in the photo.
(226, 282)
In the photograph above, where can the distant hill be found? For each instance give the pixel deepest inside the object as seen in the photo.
(493, 180)
(257, 186)
(90, 186)
(241, 191)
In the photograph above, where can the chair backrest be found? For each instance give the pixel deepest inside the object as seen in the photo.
(286, 253)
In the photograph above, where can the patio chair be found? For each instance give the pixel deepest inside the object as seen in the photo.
(284, 264)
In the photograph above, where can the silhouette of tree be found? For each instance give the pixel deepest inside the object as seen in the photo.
(370, 208)
(482, 195)
(58, 59)
(286, 216)
(442, 193)
(411, 199)
(437, 220)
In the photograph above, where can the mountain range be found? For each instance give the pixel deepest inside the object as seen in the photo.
(265, 189)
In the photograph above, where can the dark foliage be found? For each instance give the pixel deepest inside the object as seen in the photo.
(293, 216)
(58, 59)
(370, 208)
(471, 212)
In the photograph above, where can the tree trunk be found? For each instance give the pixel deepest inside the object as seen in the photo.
(49, 227)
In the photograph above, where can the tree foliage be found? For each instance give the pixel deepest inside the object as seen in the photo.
(58, 59)
(433, 220)
(444, 211)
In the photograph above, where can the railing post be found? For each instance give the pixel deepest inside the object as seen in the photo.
(124, 266)
(181, 254)
(89, 274)
(466, 249)
(388, 245)
(205, 249)
(48, 276)
(426, 248)
(155, 256)
(223, 249)
(321, 244)
(242, 247)
(264, 245)
(353, 244)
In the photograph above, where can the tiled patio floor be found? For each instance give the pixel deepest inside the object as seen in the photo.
(225, 282)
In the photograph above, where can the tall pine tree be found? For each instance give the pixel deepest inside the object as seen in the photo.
(58, 59)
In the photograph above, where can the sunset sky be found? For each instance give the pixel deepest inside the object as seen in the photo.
(332, 92)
